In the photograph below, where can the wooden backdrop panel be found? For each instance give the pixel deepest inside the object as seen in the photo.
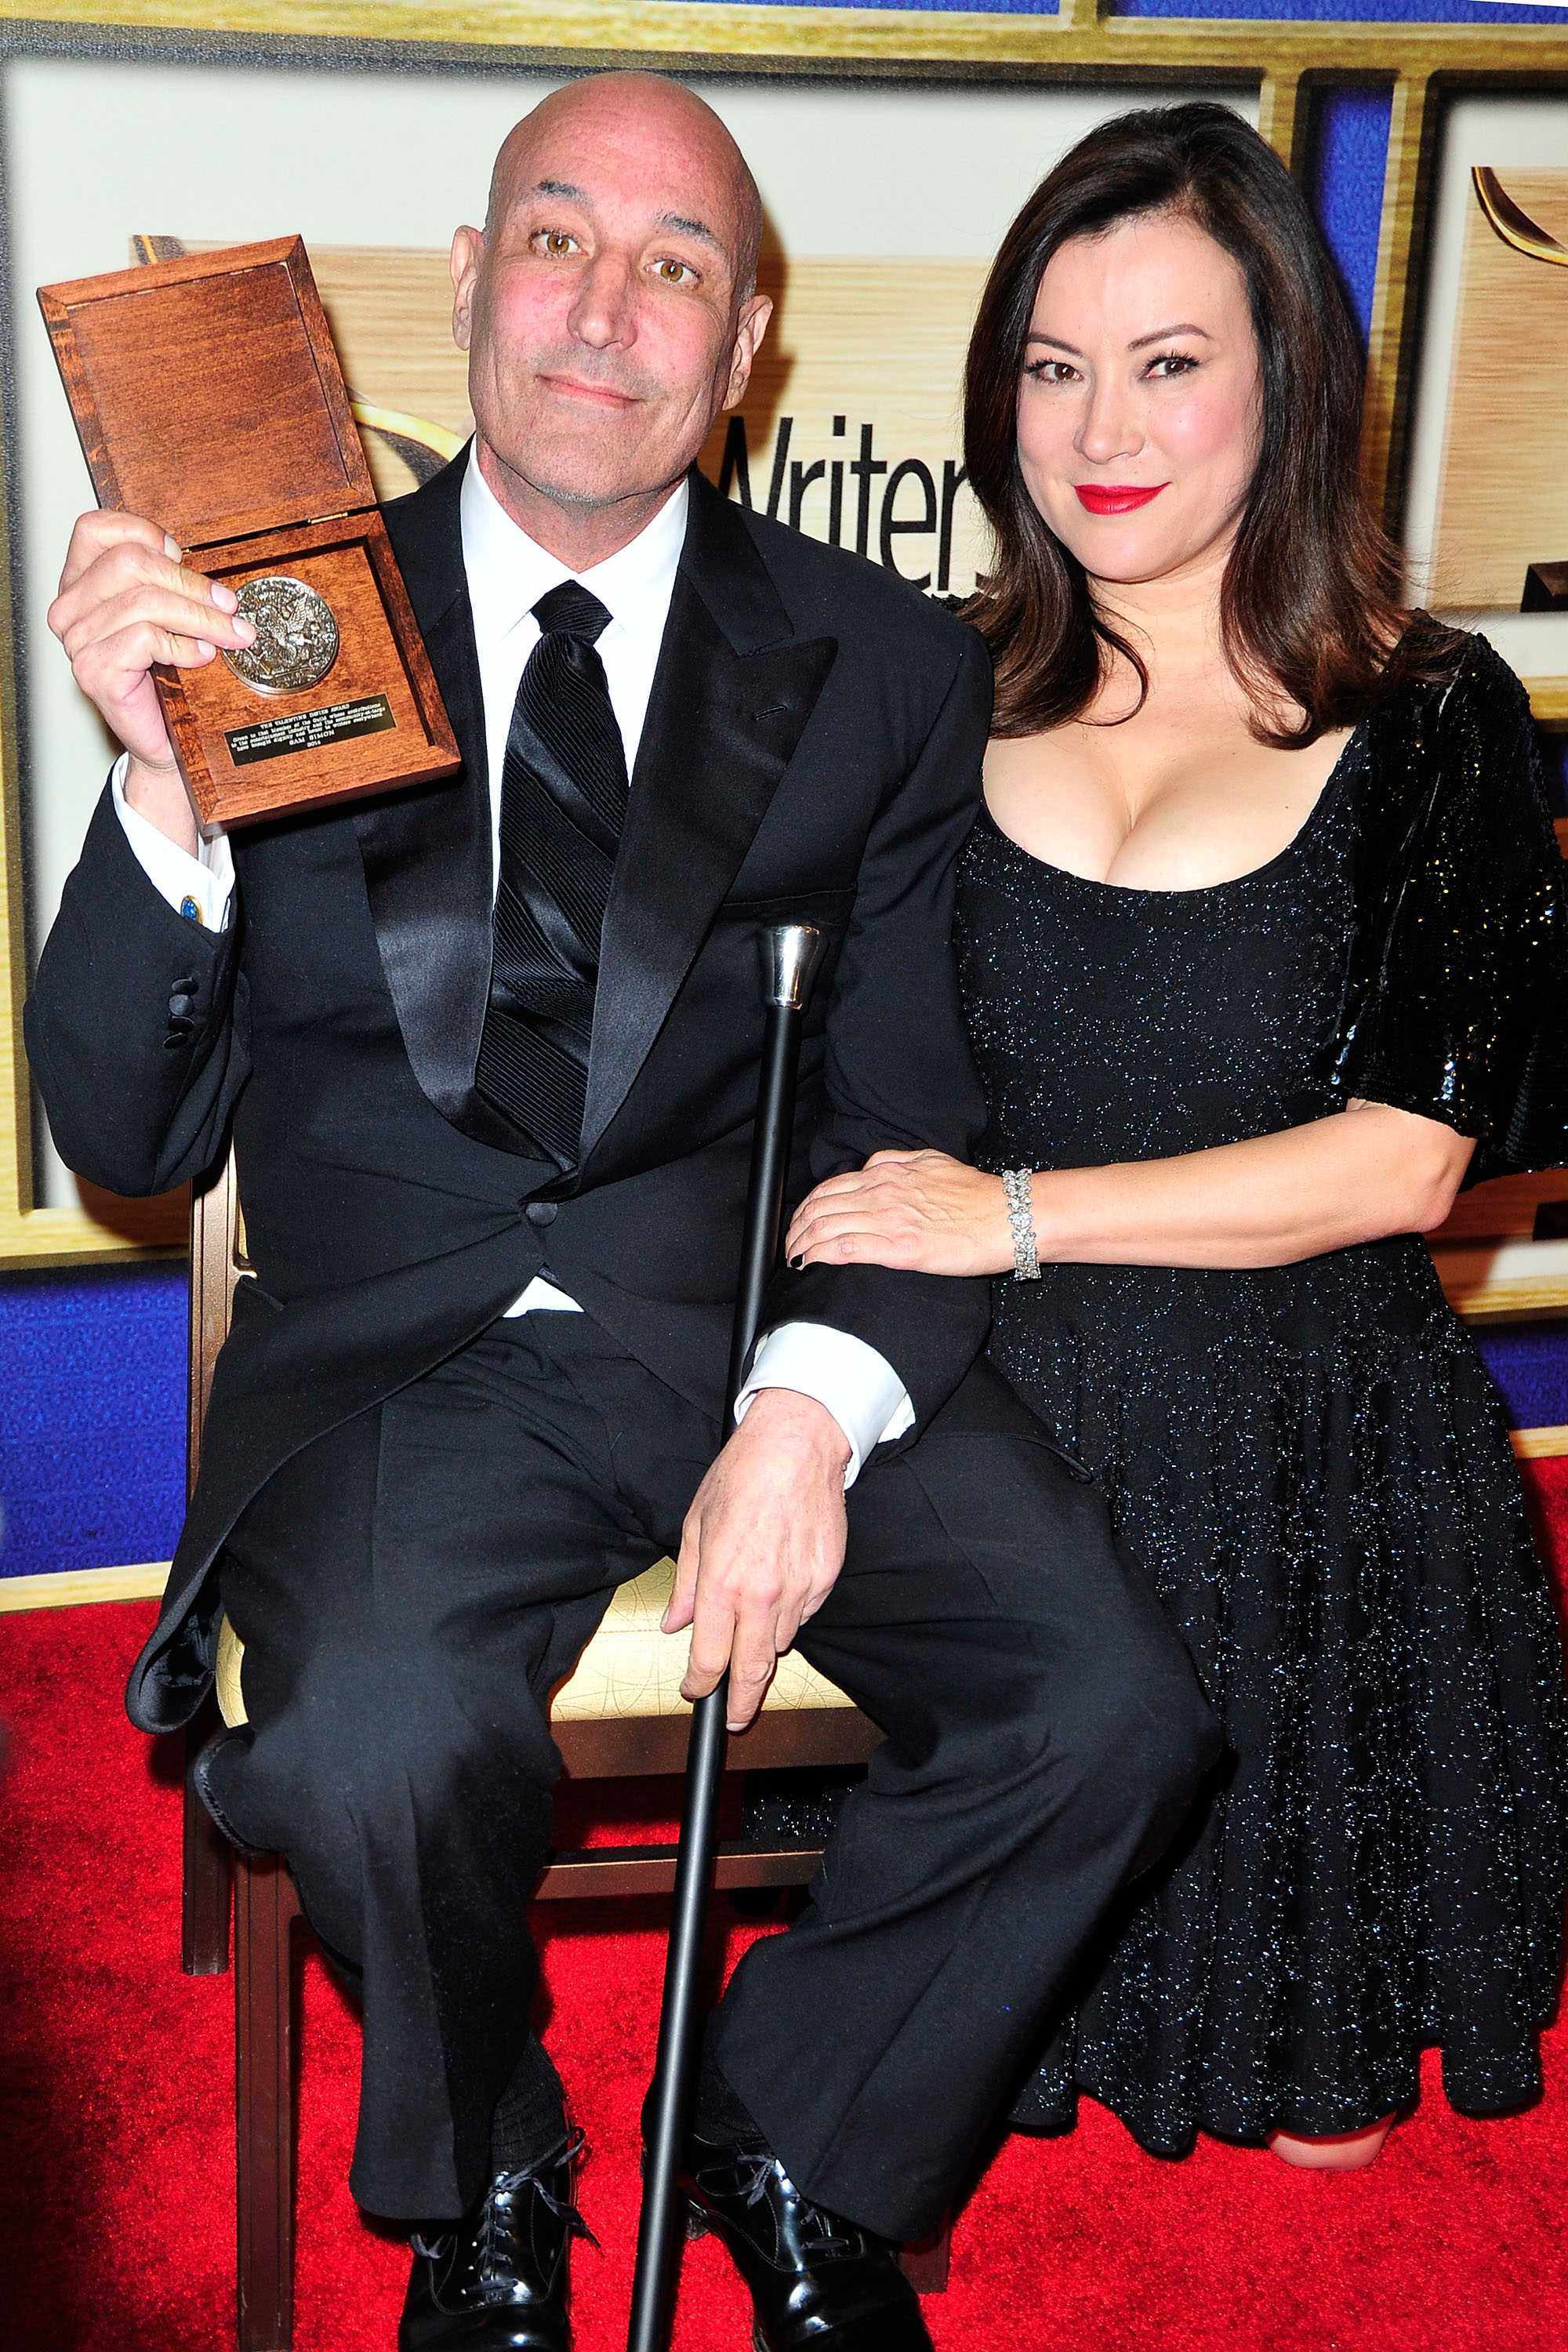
(1503, 499)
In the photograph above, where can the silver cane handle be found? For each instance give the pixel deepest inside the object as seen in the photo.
(791, 952)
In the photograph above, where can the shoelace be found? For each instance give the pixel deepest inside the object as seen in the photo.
(505, 2185)
(820, 2231)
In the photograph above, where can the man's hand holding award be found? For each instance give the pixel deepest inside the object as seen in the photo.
(208, 400)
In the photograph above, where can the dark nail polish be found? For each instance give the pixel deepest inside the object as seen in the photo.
(798, 1260)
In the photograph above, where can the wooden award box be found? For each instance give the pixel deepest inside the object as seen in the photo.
(208, 397)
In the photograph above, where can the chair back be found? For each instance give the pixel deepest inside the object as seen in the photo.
(218, 1264)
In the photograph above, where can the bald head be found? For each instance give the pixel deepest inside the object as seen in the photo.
(607, 106)
(609, 307)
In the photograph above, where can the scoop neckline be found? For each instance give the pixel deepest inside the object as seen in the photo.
(1201, 889)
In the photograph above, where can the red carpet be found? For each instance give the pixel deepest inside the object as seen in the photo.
(116, 2120)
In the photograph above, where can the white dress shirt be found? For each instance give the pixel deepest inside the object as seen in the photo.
(508, 573)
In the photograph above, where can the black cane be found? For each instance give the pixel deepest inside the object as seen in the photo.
(792, 952)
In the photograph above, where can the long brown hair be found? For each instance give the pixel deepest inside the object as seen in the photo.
(1312, 601)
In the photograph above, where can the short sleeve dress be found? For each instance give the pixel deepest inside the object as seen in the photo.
(1309, 1461)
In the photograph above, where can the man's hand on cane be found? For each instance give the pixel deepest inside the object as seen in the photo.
(761, 1546)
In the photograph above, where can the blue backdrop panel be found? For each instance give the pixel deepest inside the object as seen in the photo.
(1370, 12)
(1349, 156)
(1334, 11)
(92, 1406)
(1529, 1362)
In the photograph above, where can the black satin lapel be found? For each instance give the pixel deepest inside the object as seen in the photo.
(429, 869)
(426, 529)
(721, 728)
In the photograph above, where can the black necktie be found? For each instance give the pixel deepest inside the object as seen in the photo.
(562, 804)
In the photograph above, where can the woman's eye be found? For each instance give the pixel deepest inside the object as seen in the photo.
(1050, 370)
(1173, 364)
(555, 242)
(671, 272)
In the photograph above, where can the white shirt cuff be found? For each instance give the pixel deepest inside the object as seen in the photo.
(199, 887)
(858, 1387)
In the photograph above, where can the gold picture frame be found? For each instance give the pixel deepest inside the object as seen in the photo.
(1285, 63)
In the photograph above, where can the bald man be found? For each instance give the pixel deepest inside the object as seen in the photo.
(487, 1053)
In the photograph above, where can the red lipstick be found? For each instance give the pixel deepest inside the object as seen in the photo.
(1112, 498)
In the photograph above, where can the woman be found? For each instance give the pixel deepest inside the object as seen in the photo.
(1263, 939)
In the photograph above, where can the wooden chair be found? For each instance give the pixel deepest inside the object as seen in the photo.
(619, 1715)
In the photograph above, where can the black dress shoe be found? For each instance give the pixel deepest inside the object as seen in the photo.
(818, 2283)
(498, 2280)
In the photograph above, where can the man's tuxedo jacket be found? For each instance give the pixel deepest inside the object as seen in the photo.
(812, 752)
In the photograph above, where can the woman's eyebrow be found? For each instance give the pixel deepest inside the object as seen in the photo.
(1161, 334)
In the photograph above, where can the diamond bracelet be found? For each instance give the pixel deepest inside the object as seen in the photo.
(1017, 1184)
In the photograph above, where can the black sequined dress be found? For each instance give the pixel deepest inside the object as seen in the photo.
(1312, 1466)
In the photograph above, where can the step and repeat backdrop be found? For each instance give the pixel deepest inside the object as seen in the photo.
(892, 149)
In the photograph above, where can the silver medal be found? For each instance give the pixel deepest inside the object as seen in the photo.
(296, 636)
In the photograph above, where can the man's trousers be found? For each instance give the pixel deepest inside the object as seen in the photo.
(410, 1586)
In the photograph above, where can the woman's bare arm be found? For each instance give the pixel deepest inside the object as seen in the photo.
(1269, 1200)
